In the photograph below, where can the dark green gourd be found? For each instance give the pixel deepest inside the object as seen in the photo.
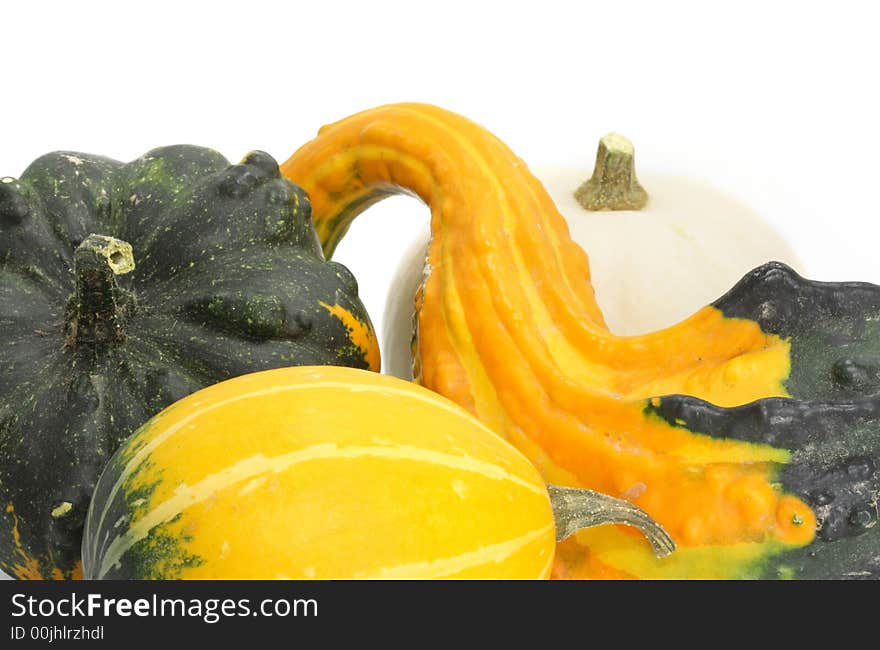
(125, 287)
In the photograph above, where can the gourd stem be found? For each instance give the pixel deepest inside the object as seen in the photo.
(577, 508)
(614, 185)
(99, 308)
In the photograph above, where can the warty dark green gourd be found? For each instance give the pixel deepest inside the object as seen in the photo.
(125, 287)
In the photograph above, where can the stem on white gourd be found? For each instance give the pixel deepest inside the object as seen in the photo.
(614, 185)
(577, 508)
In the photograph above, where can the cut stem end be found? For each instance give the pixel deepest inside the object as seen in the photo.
(614, 185)
(99, 308)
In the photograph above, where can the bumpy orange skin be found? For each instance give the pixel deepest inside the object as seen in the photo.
(508, 327)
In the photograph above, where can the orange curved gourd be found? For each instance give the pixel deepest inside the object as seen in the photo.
(508, 327)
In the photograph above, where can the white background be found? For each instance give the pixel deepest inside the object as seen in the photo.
(775, 103)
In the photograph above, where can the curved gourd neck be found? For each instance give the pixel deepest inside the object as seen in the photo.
(422, 150)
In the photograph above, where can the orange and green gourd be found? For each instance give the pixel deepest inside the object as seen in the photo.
(750, 431)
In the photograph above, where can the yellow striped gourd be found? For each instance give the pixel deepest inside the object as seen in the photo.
(329, 472)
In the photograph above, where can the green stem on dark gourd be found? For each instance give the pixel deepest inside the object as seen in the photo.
(99, 308)
(614, 185)
(577, 508)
